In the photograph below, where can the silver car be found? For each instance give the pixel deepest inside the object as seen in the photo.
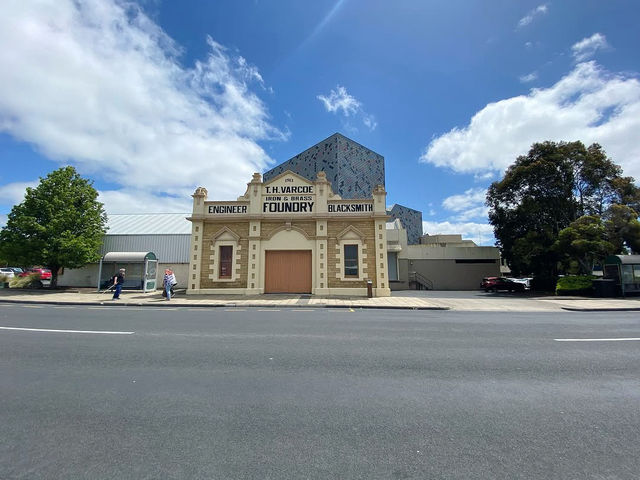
(7, 272)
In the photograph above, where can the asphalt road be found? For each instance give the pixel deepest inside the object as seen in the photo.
(317, 393)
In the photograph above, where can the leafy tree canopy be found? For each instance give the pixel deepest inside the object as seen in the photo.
(60, 223)
(543, 192)
(585, 242)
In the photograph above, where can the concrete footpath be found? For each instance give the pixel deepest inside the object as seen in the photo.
(411, 299)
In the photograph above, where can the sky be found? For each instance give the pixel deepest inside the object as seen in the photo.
(151, 99)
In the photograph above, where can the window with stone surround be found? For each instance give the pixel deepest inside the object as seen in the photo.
(225, 256)
(351, 255)
(351, 261)
(226, 261)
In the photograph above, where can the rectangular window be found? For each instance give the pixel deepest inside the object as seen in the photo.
(392, 260)
(226, 257)
(350, 260)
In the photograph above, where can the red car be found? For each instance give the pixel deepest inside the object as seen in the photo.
(493, 284)
(45, 275)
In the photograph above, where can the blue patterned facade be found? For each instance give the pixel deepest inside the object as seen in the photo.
(352, 169)
(411, 221)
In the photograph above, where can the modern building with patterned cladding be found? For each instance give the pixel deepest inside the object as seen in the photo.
(352, 170)
(411, 221)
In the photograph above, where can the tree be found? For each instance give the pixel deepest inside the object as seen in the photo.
(531, 204)
(595, 179)
(546, 190)
(584, 241)
(59, 224)
(623, 229)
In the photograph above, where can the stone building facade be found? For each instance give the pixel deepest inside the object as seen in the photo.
(289, 235)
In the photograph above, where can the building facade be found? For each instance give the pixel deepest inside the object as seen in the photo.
(352, 169)
(289, 235)
(439, 262)
(411, 221)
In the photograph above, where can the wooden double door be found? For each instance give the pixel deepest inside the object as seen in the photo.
(287, 271)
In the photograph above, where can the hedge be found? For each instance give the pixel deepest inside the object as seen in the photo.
(581, 285)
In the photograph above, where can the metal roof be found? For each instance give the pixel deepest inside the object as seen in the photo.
(129, 256)
(623, 259)
(148, 224)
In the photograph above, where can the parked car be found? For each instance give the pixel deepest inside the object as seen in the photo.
(45, 275)
(526, 281)
(494, 284)
(16, 270)
(7, 272)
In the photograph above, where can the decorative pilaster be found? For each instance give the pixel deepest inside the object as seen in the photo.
(381, 283)
(197, 231)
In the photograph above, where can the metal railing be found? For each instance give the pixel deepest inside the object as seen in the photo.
(421, 282)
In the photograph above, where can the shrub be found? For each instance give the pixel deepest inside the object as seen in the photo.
(26, 282)
(575, 285)
(3, 280)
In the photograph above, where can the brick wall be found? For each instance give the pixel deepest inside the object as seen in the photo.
(367, 228)
(210, 231)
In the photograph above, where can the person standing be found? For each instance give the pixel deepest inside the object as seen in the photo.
(168, 282)
(118, 281)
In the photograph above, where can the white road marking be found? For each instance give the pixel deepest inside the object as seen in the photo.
(630, 339)
(65, 331)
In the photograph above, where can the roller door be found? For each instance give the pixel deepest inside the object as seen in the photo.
(287, 271)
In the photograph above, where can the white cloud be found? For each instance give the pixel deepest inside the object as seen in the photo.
(370, 122)
(97, 84)
(475, 213)
(532, 15)
(3, 220)
(482, 177)
(589, 104)
(468, 206)
(529, 77)
(480, 233)
(122, 201)
(13, 193)
(339, 100)
(469, 198)
(587, 47)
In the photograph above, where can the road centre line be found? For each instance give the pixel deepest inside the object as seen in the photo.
(630, 339)
(47, 330)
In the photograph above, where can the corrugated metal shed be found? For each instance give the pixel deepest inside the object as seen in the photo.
(149, 224)
(168, 248)
(168, 235)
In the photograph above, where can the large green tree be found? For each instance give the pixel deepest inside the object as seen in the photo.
(623, 229)
(585, 242)
(547, 189)
(59, 224)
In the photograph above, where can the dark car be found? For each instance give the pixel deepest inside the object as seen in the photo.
(494, 284)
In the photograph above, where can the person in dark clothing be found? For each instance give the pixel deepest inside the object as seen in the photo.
(118, 280)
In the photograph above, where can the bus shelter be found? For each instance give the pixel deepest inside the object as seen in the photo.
(141, 270)
(625, 271)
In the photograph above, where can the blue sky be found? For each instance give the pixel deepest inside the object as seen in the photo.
(154, 98)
